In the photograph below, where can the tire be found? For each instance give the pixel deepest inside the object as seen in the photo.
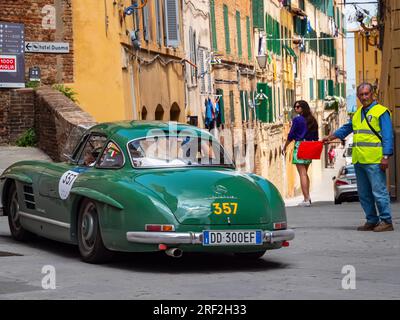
(90, 243)
(250, 255)
(12, 211)
(337, 201)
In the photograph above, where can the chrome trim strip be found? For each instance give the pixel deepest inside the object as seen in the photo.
(45, 220)
(197, 237)
(363, 131)
(33, 202)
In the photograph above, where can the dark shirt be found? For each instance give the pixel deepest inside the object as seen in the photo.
(299, 131)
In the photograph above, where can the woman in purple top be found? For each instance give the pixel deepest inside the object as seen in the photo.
(304, 128)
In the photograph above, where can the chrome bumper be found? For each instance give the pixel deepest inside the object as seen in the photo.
(197, 237)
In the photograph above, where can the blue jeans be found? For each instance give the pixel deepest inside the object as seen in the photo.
(371, 185)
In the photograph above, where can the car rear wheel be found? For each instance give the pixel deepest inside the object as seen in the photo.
(337, 201)
(91, 246)
(250, 255)
(12, 211)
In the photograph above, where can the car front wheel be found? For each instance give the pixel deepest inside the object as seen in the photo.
(12, 211)
(91, 246)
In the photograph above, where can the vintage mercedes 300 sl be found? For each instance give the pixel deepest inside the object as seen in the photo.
(143, 187)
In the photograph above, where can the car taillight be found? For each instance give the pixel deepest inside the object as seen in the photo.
(341, 183)
(280, 225)
(159, 227)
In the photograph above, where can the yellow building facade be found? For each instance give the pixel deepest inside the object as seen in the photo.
(368, 57)
(114, 78)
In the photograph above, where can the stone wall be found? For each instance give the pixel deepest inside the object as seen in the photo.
(55, 68)
(56, 116)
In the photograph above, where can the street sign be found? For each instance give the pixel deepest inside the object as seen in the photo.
(46, 47)
(8, 63)
(34, 74)
(12, 62)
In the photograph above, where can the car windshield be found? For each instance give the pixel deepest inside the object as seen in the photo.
(177, 151)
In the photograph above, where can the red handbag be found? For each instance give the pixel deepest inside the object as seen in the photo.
(310, 150)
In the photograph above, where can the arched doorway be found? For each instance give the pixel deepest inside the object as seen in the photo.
(144, 113)
(159, 114)
(175, 112)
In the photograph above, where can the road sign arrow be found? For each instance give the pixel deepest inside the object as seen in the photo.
(28, 46)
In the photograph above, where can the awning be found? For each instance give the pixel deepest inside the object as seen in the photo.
(290, 51)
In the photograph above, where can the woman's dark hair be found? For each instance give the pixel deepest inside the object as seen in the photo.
(312, 124)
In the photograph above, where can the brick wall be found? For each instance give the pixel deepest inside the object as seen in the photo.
(4, 107)
(16, 113)
(53, 116)
(55, 68)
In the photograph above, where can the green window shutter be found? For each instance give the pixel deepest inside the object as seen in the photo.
(213, 25)
(249, 54)
(278, 36)
(343, 90)
(343, 23)
(338, 18)
(227, 34)
(221, 105)
(331, 88)
(312, 89)
(321, 89)
(330, 9)
(232, 106)
(242, 104)
(258, 14)
(268, 31)
(270, 104)
(239, 34)
(262, 105)
(246, 105)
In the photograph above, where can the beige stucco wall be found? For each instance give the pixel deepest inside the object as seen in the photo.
(197, 19)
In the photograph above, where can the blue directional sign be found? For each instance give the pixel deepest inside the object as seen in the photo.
(12, 60)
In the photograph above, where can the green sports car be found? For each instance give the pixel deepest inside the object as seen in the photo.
(145, 187)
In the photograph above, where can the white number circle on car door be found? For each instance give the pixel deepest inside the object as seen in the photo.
(65, 183)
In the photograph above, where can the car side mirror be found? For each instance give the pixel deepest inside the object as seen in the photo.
(333, 178)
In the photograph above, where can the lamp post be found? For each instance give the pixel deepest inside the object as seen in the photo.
(262, 61)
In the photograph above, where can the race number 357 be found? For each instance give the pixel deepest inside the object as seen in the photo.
(225, 208)
(65, 183)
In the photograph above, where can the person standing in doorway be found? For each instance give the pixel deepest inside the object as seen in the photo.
(304, 128)
(372, 147)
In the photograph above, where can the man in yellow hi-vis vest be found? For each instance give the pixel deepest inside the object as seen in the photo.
(372, 147)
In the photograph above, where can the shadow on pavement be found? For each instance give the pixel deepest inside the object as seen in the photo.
(157, 261)
(192, 263)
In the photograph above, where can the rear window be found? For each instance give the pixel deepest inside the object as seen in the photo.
(349, 170)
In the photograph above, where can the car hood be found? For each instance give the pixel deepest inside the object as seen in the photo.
(209, 197)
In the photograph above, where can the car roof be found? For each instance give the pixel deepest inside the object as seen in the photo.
(124, 131)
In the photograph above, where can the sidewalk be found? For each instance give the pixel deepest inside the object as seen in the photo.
(12, 154)
(322, 191)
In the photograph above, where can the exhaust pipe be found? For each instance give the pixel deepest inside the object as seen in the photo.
(174, 252)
